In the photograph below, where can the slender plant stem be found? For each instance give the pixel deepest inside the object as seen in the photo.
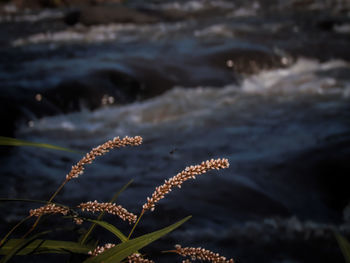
(58, 190)
(138, 220)
(39, 217)
(13, 229)
(169, 251)
(23, 220)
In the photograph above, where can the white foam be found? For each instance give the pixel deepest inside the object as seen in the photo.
(102, 33)
(302, 77)
(193, 5)
(214, 30)
(188, 107)
(344, 29)
(46, 14)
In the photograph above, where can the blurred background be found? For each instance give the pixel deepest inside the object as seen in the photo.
(264, 83)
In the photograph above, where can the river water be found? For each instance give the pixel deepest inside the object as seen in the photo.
(253, 83)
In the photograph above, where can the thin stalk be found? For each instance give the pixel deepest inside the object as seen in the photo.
(138, 220)
(39, 217)
(13, 229)
(169, 251)
(57, 191)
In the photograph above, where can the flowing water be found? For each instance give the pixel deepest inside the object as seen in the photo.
(228, 81)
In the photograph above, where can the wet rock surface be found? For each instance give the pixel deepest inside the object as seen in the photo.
(108, 14)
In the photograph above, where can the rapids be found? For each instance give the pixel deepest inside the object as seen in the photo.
(254, 83)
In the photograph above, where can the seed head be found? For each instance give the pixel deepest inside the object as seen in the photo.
(201, 254)
(100, 249)
(134, 258)
(110, 208)
(78, 220)
(78, 169)
(177, 180)
(137, 258)
(49, 209)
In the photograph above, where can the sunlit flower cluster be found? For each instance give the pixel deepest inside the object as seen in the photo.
(100, 249)
(137, 258)
(189, 173)
(201, 254)
(78, 169)
(134, 258)
(49, 209)
(110, 208)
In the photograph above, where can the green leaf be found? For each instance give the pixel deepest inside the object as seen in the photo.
(110, 228)
(123, 250)
(344, 246)
(39, 246)
(19, 245)
(7, 141)
(114, 198)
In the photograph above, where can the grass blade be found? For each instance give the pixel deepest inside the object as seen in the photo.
(344, 246)
(19, 245)
(40, 246)
(13, 229)
(99, 218)
(123, 250)
(7, 141)
(110, 228)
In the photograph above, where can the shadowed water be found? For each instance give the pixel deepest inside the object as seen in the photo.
(282, 120)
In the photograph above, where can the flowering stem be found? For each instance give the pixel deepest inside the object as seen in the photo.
(169, 251)
(138, 220)
(58, 190)
(51, 198)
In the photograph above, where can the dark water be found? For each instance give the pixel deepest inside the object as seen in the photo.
(265, 85)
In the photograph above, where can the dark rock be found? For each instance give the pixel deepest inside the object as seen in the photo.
(172, 15)
(18, 104)
(332, 167)
(326, 24)
(72, 17)
(248, 61)
(38, 3)
(104, 86)
(8, 116)
(106, 14)
(49, 3)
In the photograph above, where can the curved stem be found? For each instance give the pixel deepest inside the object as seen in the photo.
(13, 229)
(57, 191)
(138, 220)
(169, 251)
(39, 217)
